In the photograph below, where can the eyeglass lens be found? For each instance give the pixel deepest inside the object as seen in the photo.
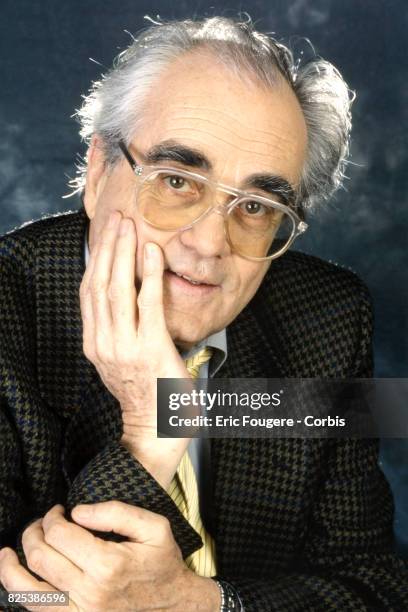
(173, 201)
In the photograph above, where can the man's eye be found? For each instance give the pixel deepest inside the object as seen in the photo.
(254, 209)
(177, 182)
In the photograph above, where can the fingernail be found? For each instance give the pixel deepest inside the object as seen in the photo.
(124, 227)
(83, 511)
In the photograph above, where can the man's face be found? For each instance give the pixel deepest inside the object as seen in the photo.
(240, 130)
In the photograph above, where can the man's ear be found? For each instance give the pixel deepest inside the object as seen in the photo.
(95, 175)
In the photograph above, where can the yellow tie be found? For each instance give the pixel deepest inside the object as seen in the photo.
(184, 492)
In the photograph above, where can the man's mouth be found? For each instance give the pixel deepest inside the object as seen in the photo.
(190, 280)
(196, 282)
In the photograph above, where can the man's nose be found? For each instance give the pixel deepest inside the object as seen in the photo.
(208, 235)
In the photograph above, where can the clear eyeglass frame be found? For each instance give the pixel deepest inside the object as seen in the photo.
(145, 171)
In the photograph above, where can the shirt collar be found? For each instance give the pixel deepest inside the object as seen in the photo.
(218, 342)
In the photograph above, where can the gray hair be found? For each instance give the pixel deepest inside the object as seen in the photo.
(113, 108)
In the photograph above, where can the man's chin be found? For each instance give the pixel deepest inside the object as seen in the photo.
(185, 339)
(186, 342)
(185, 330)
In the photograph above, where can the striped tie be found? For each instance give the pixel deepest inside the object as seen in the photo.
(184, 492)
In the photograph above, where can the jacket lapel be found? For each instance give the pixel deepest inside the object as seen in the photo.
(250, 476)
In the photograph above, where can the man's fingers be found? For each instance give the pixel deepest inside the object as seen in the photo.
(137, 524)
(100, 280)
(78, 545)
(92, 294)
(90, 267)
(14, 577)
(150, 300)
(122, 289)
(46, 562)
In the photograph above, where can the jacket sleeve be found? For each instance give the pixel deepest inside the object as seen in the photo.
(114, 474)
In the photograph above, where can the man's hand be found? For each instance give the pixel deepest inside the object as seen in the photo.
(145, 573)
(126, 338)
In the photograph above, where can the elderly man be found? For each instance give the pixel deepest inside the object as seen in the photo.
(206, 147)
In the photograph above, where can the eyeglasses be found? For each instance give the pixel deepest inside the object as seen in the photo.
(172, 199)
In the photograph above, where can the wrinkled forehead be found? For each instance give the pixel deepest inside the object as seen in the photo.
(239, 125)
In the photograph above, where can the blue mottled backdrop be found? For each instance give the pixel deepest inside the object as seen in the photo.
(45, 66)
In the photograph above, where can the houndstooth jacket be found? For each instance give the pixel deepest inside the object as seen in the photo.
(298, 524)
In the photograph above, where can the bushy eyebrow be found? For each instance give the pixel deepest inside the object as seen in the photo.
(272, 184)
(170, 150)
(173, 151)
